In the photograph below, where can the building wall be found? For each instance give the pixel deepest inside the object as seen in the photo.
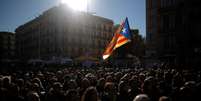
(162, 32)
(168, 9)
(173, 31)
(7, 45)
(188, 25)
(59, 32)
(152, 23)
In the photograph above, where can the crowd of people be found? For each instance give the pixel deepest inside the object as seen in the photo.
(101, 84)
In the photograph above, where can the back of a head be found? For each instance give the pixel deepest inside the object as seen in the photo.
(109, 87)
(141, 97)
(164, 98)
(72, 95)
(90, 94)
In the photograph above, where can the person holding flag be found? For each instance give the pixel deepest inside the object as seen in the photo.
(121, 37)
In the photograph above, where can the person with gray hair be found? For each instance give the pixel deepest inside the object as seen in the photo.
(141, 97)
(164, 98)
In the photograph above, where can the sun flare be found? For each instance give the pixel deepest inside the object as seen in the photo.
(80, 5)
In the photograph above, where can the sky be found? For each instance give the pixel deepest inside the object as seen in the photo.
(14, 13)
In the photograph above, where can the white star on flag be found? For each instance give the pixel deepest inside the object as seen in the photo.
(124, 30)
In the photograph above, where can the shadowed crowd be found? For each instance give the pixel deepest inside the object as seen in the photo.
(101, 84)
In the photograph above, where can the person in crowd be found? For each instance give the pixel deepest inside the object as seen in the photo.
(72, 95)
(135, 88)
(56, 93)
(150, 88)
(85, 84)
(100, 86)
(90, 94)
(32, 95)
(109, 92)
(164, 98)
(141, 97)
(123, 91)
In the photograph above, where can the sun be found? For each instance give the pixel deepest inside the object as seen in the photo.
(80, 5)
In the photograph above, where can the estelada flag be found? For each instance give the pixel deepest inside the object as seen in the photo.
(121, 37)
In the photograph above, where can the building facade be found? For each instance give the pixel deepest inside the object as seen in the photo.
(173, 30)
(7, 46)
(60, 32)
(152, 27)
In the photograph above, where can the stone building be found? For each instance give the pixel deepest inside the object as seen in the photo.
(7, 46)
(173, 30)
(61, 32)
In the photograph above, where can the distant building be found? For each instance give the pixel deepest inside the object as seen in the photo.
(173, 30)
(7, 46)
(60, 32)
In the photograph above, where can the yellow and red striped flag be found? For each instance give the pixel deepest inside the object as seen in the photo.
(121, 37)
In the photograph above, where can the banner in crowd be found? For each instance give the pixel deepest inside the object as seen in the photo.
(121, 37)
